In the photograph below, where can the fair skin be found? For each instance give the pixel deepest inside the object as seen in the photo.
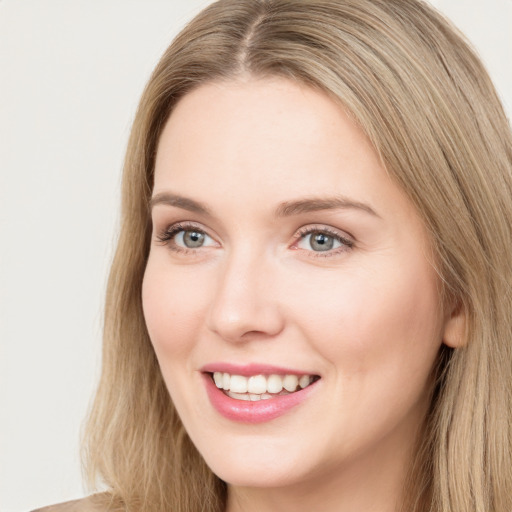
(342, 291)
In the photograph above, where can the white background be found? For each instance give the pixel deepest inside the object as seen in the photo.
(71, 73)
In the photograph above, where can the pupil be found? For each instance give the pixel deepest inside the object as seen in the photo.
(321, 242)
(193, 239)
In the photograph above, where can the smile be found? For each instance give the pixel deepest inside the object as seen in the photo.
(260, 387)
(256, 393)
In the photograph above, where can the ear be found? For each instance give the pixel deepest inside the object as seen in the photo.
(454, 335)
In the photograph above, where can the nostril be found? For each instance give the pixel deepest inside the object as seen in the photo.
(242, 309)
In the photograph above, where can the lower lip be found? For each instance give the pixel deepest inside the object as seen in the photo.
(254, 412)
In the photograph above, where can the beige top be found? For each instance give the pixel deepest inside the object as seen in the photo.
(94, 503)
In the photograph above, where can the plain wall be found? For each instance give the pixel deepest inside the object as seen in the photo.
(71, 73)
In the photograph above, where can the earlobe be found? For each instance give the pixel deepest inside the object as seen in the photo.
(455, 328)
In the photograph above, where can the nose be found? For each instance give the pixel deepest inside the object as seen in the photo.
(245, 305)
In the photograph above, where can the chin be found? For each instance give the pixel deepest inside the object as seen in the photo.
(262, 476)
(256, 465)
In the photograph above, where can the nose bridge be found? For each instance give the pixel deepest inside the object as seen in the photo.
(244, 303)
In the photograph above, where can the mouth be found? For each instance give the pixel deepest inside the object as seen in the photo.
(257, 393)
(258, 387)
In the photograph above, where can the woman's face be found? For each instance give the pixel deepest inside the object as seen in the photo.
(284, 255)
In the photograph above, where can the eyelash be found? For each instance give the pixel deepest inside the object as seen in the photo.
(346, 243)
(166, 237)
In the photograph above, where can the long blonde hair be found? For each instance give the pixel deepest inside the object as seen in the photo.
(425, 101)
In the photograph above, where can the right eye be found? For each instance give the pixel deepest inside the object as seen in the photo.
(180, 237)
(191, 239)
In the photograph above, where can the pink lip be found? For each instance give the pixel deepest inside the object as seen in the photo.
(254, 412)
(251, 369)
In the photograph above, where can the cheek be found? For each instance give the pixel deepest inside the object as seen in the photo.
(373, 322)
(380, 333)
(173, 304)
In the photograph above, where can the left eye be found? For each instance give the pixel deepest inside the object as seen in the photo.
(192, 239)
(319, 241)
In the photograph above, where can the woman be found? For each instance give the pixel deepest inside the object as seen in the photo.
(309, 307)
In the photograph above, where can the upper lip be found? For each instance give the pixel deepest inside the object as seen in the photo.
(252, 369)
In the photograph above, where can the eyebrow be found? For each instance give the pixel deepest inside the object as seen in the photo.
(185, 203)
(285, 209)
(306, 205)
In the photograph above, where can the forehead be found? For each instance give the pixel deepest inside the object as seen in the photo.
(260, 127)
(269, 138)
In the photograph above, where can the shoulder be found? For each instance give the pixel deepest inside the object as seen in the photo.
(95, 503)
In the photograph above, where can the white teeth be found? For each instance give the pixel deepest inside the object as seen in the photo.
(238, 384)
(260, 387)
(217, 377)
(274, 384)
(239, 396)
(304, 381)
(290, 382)
(248, 396)
(257, 384)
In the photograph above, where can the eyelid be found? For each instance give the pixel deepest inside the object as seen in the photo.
(347, 241)
(167, 235)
